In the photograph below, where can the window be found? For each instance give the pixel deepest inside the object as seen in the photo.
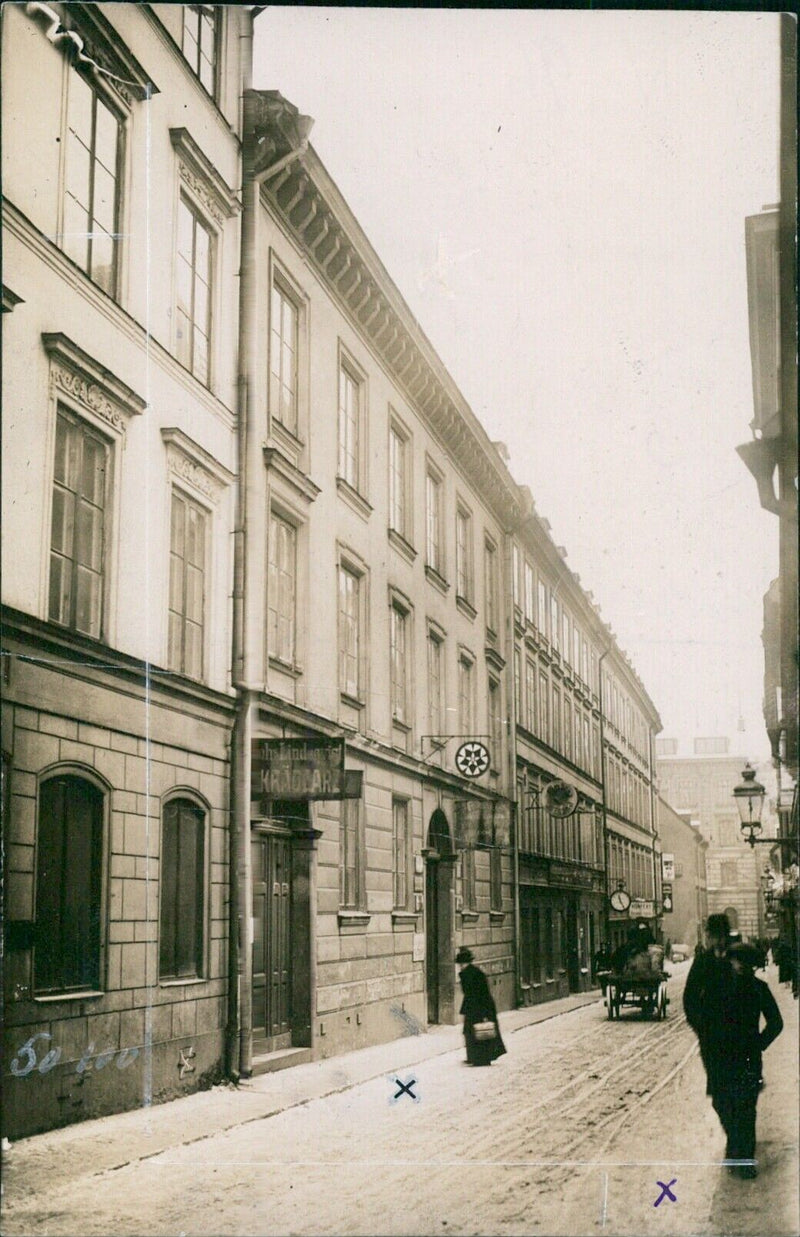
(464, 554)
(194, 291)
(554, 627)
(566, 642)
(496, 879)
(350, 865)
(576, 649)
(556, 719)
(568, 730)
(492, 615)
(515, 573)
(401, 852)
(434, 557)
(435, 683)
(91, 189)
(465, 694)
(180, 954)
(283, 347)
(68, 885)
(399, 662)
(587, 751)
(495, 723)
(518, 701)
(77, 539)
(399, 483)
(544, 729)
(542, 589)
(349, 633)
(200, 42)
(187, 558)
(530, 692)
(529, 594)
(585, 661)
(469, 899)
(350, 396)
(281, 590)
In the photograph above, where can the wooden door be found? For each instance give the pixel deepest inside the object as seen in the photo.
(272, 950)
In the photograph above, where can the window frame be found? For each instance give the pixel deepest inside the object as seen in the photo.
(349, 565)
(491, 586)
(278, 517)
(401, 691)
(85, 428)
(281, 283)
(201, 218)
(466, 664)
(434, 520)
(469, 894)
(400, 434)
(190, 797)
(494, 716)
(435, 636)
(465, 564)
(348, 367)
(401, 855)
(100, 788)
(354, 899)
(191, 501)
(102, 93)
(496, 880)
(217, 38)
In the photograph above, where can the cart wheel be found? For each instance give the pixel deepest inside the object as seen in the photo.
(662, 1004)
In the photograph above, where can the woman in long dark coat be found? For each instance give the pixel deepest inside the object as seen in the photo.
(478, 1006)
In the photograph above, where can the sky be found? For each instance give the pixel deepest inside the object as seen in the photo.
(560, 197)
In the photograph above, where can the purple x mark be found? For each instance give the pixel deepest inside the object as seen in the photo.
(666, 1192)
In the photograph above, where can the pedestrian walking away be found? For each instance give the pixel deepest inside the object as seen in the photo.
(724, 1003)
(478, 1007)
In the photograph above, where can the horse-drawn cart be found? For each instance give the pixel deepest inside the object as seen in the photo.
(648, 992)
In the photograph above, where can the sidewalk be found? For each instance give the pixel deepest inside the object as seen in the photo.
(89, 1147)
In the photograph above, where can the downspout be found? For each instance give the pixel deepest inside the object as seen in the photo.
(246, 614)
(653, 830)
(606, 903)
(511, 710)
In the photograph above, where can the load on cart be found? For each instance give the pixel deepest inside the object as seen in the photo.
(637, 976)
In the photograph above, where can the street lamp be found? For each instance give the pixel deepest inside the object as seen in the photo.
(749, 796)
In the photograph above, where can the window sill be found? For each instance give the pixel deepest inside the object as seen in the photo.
(408, 917)
(497, 916)
(282, 432)
(466, 607)
(286, 667)
(400, 725)
(352, 701)
(470, 916)
(352, 497)
(182, 983)
(353, 918)
(401, 545)
(89, 994)
(437, 579)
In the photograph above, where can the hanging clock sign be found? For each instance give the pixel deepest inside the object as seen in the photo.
(620, 900)
(472, 759)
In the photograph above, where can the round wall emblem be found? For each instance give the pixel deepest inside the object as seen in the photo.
(472, 759)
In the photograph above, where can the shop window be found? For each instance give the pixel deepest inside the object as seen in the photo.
(182, 890)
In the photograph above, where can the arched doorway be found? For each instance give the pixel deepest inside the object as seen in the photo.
(439, 963)
(733, 916)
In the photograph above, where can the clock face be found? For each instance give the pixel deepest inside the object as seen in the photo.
(620, 900)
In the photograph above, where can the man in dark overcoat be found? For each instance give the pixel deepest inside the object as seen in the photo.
(477, 1006)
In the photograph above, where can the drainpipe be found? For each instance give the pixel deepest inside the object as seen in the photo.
(653, 829)
(247, 617)
(511, 711)
(600, 661)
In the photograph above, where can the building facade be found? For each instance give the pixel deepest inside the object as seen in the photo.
(119, 395)
(699, 788)
(250, 523)
(684, 872)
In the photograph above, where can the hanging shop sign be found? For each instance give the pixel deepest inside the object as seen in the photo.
(482, 822)
(642, 908)
(667, 867)
(301, 769)
(472, 759)
(666, 899)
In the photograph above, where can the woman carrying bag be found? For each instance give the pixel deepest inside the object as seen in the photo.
(481, 1032)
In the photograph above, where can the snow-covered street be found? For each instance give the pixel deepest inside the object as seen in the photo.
(573, 1132)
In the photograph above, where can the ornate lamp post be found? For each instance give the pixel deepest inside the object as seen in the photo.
(749, 796)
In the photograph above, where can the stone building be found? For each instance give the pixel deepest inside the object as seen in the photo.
(684, 870)
(121, 246)
(699, 787)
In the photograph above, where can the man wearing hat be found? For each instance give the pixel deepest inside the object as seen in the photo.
(477, 1007)
(733, 1055)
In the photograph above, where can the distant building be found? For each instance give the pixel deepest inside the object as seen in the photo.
(699, 787)
(683, 862)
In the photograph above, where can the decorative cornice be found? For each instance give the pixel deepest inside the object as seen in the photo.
(93, 386)
(10, 300)
(293, 476)
(193, 464)
(205, 182)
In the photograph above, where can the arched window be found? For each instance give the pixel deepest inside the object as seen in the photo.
(182, 890)
(68, 885)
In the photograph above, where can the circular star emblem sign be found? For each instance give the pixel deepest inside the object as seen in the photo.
(472, 759)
